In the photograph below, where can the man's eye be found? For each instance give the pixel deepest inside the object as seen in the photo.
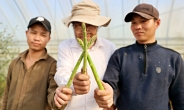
(144, 20)
(77, 24)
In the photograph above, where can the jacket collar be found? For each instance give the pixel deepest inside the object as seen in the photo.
(149, 46)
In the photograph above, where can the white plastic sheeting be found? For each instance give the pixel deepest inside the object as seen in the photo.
(15, 15)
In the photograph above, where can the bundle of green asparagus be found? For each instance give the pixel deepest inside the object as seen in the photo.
(85, 45)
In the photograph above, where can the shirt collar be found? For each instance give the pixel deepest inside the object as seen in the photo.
(98, 43)
(24, 54)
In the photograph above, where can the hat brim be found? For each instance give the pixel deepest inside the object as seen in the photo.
(129, 16)
(93, 20)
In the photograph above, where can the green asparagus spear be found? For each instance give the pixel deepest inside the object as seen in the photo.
(85, 48)
(98, 81)
(92, 40)
(100, 86)
(75, 70)
(79, 60)
(80, 43)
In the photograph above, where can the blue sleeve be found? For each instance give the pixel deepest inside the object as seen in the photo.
(176, 90)
(112, 73)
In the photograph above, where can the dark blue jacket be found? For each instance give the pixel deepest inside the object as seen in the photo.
(146, 77)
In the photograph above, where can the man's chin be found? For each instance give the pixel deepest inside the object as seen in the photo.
(36, 49)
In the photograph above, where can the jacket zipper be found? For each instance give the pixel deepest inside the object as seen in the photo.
(145, 61)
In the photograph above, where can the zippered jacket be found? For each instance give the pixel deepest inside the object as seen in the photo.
(146, 77)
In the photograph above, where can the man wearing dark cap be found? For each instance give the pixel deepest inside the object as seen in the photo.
(30, 80)
(144, 75)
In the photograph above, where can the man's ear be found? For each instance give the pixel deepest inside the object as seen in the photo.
(49, 38)
(158, 23)
(26, 32)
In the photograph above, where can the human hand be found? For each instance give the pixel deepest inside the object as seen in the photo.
(81, 83)
(62, 96)
(104, 98)
(113, 107)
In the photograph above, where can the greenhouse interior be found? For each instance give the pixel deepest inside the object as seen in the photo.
(15, 15)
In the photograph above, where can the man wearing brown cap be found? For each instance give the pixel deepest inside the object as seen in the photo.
(69, 51)
(144, 75)
(30, 81)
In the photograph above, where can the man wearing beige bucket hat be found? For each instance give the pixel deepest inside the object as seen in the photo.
(69, 51)
(145, 75)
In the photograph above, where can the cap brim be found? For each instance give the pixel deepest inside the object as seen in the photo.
(128, 17)
(93, 20)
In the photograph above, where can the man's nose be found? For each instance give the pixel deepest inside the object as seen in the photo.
(138, 26)
(37, 37)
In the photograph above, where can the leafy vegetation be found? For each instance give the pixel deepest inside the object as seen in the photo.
(8, 51)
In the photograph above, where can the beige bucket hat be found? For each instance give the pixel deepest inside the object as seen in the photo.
(88, 12)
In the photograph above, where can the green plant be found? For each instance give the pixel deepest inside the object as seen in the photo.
(8, 50)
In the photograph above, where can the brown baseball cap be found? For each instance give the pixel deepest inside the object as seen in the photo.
(145, 10)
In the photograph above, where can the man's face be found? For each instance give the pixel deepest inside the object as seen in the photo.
(37, 37)
(144, 29)
(91, 30)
